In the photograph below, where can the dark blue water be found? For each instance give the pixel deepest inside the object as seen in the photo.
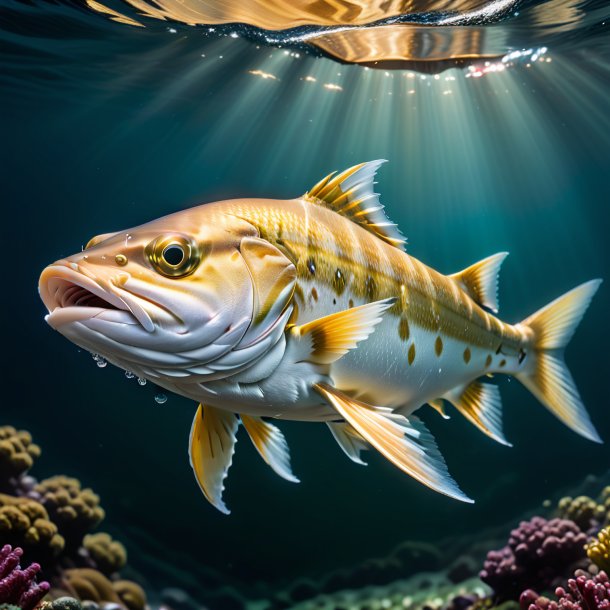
(104, 126)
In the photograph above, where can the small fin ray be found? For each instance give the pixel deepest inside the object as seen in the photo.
(408, 445)
(351, 194)
(480, 404)
(350, 441)
(438, 405)
(211, 448)
(327, 339)
(480, 280)
(270, 444)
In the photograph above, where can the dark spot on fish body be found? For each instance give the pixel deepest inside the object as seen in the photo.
(522, 355)
(339, 282)
(499, 349)
(351, 303)
(403, 329)
(411, 354)
(438, 346)
(467, 355)
(314, 293)
(502, 362)
(370, 289)
(334, 301)
(488, 360)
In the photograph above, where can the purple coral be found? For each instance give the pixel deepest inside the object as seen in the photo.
(538, 552)
(584, 592)
(17, 586)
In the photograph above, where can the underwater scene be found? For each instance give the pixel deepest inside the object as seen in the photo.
(305, 304)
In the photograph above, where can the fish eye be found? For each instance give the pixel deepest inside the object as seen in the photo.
(173, 255)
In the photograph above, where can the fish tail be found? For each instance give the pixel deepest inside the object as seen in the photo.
(545, 373)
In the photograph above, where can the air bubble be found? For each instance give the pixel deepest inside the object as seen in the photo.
(160, 398)
(141, 381)
(99, 360)
(129, 375)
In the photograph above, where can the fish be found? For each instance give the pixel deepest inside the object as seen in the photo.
(310, 309)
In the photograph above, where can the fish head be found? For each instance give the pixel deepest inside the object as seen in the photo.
(166, 298)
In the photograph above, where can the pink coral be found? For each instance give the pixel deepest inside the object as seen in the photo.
(19, 586)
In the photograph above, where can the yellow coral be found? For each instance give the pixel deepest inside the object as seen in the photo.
(108, 554)
(25, 522)
(598, 550)
(75, 510)
(17, 452)
(583, 510)
(131, 594)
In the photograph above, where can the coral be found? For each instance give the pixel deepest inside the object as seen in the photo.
(108, 555)
(19, 586)
(583, 592)
(131, 594)
(17, 452)
(588, 513)
(26, 523)
(75, 511)
(598, 550)
(538, 552)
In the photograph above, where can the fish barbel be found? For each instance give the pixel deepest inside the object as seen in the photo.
(310, 309)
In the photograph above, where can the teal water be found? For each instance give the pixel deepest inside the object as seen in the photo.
(105, 126)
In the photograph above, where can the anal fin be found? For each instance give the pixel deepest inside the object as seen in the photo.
(408, 445)
(211, 447)
(349, 440)
(270, 444)
(439, 406)
(325, 340)
(480, 280)
(480, 403)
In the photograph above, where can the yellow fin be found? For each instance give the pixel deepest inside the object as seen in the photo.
(544, 372)
(211, 448)
(480, 404)
(349, 440)
(407, 444)
(439, 406)
(270, 444)
(351, 194)
(480, 280)
(326, 339)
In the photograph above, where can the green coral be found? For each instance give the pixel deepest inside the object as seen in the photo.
(17, 452)
(75, 510)
(108, 554)
(26, 523)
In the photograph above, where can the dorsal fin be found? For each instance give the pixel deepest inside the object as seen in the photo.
(351, 194)
(480, 280)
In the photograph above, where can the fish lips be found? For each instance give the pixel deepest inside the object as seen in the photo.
(71, 296)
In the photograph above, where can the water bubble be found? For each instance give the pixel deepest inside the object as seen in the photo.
(141, 381)
(129, 375)
(160, 398)
(101, 362)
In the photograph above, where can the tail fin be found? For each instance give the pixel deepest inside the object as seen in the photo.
(546, 374)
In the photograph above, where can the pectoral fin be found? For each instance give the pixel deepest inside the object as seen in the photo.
(325, 340)
(407, 444)
(349, 440)
(480, 403)
(211, 448)
(271, 445)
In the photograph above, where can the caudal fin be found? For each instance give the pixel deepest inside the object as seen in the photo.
(546, 374)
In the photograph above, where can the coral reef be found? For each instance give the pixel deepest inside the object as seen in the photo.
(75, 510)
(583, 592)
(17, 586)
(17, 455)
(538, 552)
(588, 513)
(49, 524)
(108, 555)
(598, 550)
(26, 523)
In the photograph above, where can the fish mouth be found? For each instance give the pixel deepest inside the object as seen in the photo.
(72, 294)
